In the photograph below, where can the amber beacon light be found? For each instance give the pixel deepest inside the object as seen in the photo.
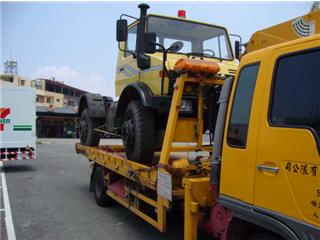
(195, 65)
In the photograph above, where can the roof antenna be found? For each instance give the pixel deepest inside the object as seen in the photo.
(11, 66)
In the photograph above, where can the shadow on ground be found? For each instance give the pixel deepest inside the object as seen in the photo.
(18, 168)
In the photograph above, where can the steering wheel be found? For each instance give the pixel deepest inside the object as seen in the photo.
(175, 47)
(213, 54)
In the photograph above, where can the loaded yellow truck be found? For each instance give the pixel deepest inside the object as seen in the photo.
(145, 82)
(260, 177)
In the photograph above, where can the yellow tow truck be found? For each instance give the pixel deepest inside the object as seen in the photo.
(261, 178)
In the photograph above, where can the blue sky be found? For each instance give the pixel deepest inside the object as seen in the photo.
(75, 41)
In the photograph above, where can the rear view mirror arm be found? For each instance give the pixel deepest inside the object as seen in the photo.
(238, 36)
(126, 15)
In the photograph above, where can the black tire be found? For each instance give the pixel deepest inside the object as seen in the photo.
(100, 188)
(139, 133)
(265, 236)
(88, 136)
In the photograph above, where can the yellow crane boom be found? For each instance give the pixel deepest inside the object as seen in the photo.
(306, 25)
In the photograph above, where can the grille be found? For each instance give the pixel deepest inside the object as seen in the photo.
(232, 71)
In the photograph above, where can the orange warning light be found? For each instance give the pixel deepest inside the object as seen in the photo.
(195, 65)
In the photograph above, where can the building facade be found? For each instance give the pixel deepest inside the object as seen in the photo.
(56, 105)
(9, 80)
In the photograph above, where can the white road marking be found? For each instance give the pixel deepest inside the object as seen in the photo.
(7, 209)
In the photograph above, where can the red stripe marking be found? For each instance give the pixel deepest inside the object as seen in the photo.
(5, 112)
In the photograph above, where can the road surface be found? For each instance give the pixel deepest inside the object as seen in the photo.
(49, 199)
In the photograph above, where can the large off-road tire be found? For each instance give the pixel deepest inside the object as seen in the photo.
(139, 133)
(100, 188)
(88, 136)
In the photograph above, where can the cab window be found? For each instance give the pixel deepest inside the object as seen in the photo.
(131, 42)
(216, 46)
(241, 107)
(187, 46)
(296, 87)
(197, 38)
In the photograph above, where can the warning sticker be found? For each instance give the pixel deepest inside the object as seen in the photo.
(164, 185)
(305, 184)
(303, 28)
(301, 168)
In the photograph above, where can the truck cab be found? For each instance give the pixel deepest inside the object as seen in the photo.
(271, 145)
(198, 40)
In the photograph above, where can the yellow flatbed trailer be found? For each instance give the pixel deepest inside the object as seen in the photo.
(138, 183)
(151, 190)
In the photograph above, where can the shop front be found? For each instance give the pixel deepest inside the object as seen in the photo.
(56, 123)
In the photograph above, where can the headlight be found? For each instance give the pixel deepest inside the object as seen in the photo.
(186, 106)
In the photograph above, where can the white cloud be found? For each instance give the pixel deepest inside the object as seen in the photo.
(90, 82)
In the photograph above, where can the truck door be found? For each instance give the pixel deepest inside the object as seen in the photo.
(239, 148)
(288, 163)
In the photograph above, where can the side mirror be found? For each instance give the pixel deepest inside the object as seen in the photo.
(122, 30)
(150, 39)
(143, 61)
(237, 49)
(175, 47)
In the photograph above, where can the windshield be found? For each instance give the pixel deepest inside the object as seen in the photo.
(206, 40)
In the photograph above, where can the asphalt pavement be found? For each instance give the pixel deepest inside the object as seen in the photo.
(50, 199)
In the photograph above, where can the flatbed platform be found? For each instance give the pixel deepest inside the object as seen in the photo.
(114, 158)
(137, 185)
